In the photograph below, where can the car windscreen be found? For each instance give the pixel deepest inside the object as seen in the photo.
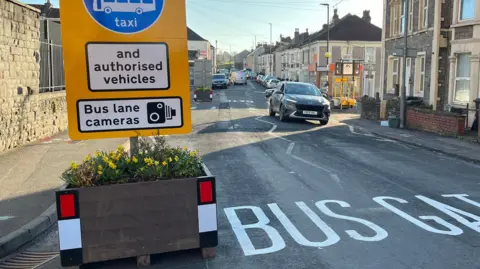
(218, 77)
(302, 89)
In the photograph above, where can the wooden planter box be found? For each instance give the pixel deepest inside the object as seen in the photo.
(203, 96)
(136, 220)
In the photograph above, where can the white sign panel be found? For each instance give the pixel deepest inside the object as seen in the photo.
(348, 69)
(127, 66)
(129, 114)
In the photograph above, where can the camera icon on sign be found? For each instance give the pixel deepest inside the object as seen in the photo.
(159, 112)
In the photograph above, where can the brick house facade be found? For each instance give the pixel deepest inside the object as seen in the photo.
(442, 33)
(427, 37)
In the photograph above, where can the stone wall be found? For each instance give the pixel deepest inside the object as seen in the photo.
(25, 114)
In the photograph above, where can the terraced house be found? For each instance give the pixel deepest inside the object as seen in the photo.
(443, 63)
(351, 37)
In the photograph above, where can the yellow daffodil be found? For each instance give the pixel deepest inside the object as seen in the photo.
(121, 148)
(164, 163)
(73, 165)
(105, 159)
(112, 165)
(100, 168)
(129, 161)
(134, 159)
(88, 158)
(157, 163)
(170, 159)
(185, 148)
(98, 153)
(176, 158)
(100, 172)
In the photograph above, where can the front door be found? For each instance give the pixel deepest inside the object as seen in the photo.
(407, 80)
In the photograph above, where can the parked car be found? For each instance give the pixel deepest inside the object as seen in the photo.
(299, 100)
(259, 78)
(266, 79)
(272, 83)
(219, 81)
(238, 77)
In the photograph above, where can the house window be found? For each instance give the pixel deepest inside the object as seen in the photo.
(410, 16)
(394, 22)
(394, 72)
(423, 14)
(467, 9)
(420, 74)
(402, 17)
(370, 55)
(462, 79)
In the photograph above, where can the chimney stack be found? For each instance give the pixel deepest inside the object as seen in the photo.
(335, 16)
(297, 36)
(366, 16)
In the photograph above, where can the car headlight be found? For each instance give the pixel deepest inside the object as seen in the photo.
(290, 104)
(326, 103)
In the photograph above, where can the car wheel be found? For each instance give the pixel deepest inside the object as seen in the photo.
(282, 114)
(270, 110)
(324, 122)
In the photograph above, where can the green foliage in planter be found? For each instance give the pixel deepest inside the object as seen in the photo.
(201, 89)
(152, 163)
(393, 107)
(368, 100)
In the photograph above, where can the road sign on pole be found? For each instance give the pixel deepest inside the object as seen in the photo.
(126, 68)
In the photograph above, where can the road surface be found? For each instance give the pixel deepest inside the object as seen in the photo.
(298, 195)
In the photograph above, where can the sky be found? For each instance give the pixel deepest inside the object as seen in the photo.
(235, 24)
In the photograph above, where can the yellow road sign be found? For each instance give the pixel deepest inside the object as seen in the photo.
(126, 68)
(340, 79)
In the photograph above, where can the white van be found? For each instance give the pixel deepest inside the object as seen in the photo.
(238, 77)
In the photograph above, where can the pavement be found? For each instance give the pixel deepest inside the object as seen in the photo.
(465, 148)
(28, 177)
(300, 195)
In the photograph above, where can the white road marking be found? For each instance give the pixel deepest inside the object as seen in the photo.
(336, 179)
(463, 198)
(380, 232)
(290, 154)
(290, 148)
(291, 223)
(6, 217)
(332, 236)
(193, 107)
(240, 231)
(451, 229)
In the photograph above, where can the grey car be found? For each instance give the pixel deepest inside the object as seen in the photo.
(297, 100)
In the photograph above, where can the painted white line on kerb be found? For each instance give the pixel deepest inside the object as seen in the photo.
(6, 217)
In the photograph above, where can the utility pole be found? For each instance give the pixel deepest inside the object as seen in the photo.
(216, 53)
(403, 98)
(270, 65)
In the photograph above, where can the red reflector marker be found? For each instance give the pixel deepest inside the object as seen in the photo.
(67, 205)
(206, 195)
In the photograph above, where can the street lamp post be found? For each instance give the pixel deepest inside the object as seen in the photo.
(270, 60)
(327, 54)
